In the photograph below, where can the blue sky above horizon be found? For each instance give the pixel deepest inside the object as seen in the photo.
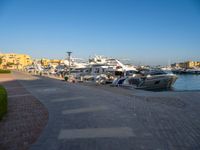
(145, 31)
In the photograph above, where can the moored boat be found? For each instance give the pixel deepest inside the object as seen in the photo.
(148, 80)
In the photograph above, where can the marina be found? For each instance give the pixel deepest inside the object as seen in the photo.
(105, 70)
(99, 75)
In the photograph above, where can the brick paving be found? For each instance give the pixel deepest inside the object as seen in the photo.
(132, 120)
(25, 119)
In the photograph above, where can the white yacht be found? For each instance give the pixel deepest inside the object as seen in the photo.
(147, 80)
(103, 69)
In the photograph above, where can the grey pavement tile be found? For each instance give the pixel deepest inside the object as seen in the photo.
(19, 95)
(84, 110)
(119, 132)
(69, 99)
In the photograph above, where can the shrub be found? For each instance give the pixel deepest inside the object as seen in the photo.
(4, 71)
(3, 102)
(66, 78)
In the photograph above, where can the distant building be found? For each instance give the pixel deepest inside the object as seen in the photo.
(45, 62)
(14, 61)
(187, 64)
(175, 65)
(53, 62)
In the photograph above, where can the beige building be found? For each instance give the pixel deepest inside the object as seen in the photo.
(45, 62)
(14, 61)
(187, 64)
(54, 62)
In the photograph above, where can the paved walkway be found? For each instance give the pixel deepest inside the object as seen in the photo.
(88, 118)
(25, 119)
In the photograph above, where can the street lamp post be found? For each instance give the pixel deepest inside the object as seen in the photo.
(69, 54)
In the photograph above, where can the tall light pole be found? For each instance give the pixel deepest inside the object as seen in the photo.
(69, 54)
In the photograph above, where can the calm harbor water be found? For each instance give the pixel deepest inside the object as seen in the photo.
(187, 83)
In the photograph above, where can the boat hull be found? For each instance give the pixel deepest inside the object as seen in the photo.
(151, 82)
(158, 82)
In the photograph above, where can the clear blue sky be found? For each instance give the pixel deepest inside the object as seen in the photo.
(146, 31)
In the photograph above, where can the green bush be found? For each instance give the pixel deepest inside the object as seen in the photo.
(66, 78)
(4, 71)
(3, 102)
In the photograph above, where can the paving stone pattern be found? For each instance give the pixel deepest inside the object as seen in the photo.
(25, 119)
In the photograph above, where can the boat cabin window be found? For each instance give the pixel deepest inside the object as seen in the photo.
(131, 72)
(118, 73)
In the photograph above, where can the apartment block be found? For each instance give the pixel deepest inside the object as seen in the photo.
(14, 61)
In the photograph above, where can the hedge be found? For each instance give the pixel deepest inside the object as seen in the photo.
(3, 101)
(4, 71)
